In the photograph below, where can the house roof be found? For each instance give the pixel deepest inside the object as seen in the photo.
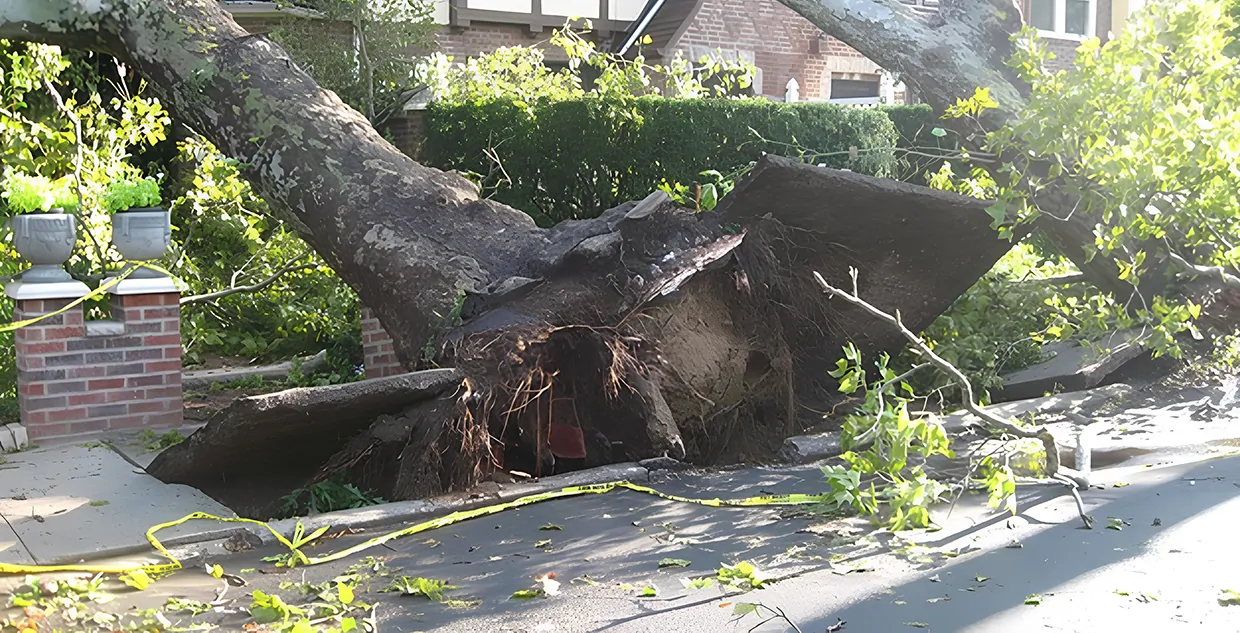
(665, 21)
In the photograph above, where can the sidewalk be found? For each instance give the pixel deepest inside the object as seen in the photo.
(71, 502)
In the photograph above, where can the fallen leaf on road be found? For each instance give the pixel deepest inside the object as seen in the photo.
(1116, 523)
(919, 625)
(526, 594)
(1033, 599)
(837, 627)
(1120, 484)
(431, 542)
(1120, 592)
(216, 571)
(940, 599)
(697, 583)
(543, 543)
(649, 592)
(1229, 598)
(673, 562)
(1157, 522)
(551, 526)
(981, 578)
(586, 580)
(900, 602)
(743, 608)
(934, 578)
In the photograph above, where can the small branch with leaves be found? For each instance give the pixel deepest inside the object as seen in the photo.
(289, 267)
(1072, 478)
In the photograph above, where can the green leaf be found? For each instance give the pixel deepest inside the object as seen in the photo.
(674, 562)
(216, 571)
(939, 132)
(710, 197)
(527, 594)
(1033, 599)
(743, 608)
(648, 592)
(1229, 598)
(698, 583)
(346, 593)
(647, 40)
(551, 526)
(543, 543)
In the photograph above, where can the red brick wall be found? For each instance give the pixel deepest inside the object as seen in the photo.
(780, 39)
(71, 382)
(378, 351)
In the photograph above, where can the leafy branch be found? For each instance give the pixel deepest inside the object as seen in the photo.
(1072, 478)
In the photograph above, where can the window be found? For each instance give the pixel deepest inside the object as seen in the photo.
(853, 88)
(1063, 18)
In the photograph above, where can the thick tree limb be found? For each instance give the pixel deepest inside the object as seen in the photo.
(1217, 272)
(1053, 467)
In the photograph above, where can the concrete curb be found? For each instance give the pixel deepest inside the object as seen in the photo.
(425, 510)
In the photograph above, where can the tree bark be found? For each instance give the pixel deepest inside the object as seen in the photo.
(649, 330)
(946, 57)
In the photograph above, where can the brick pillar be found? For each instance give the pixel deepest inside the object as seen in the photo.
(76, 377)
(377, 348)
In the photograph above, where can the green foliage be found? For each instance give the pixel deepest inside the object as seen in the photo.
(743, 576)
(152, 442)
(361, 49)
(131, 193)
(1144, 130)
(428, 588)
(228, 238)
(327, 496)
(879, 438)
(25, 193)
(575, 158)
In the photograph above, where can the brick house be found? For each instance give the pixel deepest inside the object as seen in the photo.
(782, 44)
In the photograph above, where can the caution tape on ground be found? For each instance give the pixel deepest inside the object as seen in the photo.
(296, 557)
(97, 292)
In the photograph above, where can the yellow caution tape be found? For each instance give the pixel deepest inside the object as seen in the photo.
(296, 557)
(103, 287)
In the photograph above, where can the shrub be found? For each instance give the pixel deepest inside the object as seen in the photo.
(574, 158)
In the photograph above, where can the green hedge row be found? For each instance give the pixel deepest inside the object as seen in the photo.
(574, 159)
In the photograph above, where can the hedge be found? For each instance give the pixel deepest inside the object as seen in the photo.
(574, 159)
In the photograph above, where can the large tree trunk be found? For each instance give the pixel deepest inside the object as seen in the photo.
(648, 330)
(947, 56)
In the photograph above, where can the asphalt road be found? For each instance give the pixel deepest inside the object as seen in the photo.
(1163, 571)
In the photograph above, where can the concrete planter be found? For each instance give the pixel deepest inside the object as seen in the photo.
(142, 234)
(46, 241)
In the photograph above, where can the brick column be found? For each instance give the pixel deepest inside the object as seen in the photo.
(76, 377)
(378, 350)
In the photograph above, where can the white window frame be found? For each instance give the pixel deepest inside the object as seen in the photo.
(1061, 23)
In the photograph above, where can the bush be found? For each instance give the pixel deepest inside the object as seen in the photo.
(574, 158)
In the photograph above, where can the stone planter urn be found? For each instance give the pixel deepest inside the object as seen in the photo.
(45, 240)
(142, 234)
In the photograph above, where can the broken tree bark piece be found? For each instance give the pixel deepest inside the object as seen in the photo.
(1075, 366)
(261, 447)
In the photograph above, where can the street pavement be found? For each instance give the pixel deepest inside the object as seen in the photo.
(1162, 571)
(1169, 481)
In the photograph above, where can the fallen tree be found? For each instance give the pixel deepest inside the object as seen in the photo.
(647, 330)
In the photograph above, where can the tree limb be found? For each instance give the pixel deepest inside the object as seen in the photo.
(291, 266)
(1053, 467)
(1219, 272)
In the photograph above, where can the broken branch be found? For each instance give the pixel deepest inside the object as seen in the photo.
(291, 266)
(1053, 467)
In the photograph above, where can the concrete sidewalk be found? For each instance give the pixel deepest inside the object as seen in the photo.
(73, 502)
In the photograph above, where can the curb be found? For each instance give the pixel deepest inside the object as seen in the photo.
(425, 510)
